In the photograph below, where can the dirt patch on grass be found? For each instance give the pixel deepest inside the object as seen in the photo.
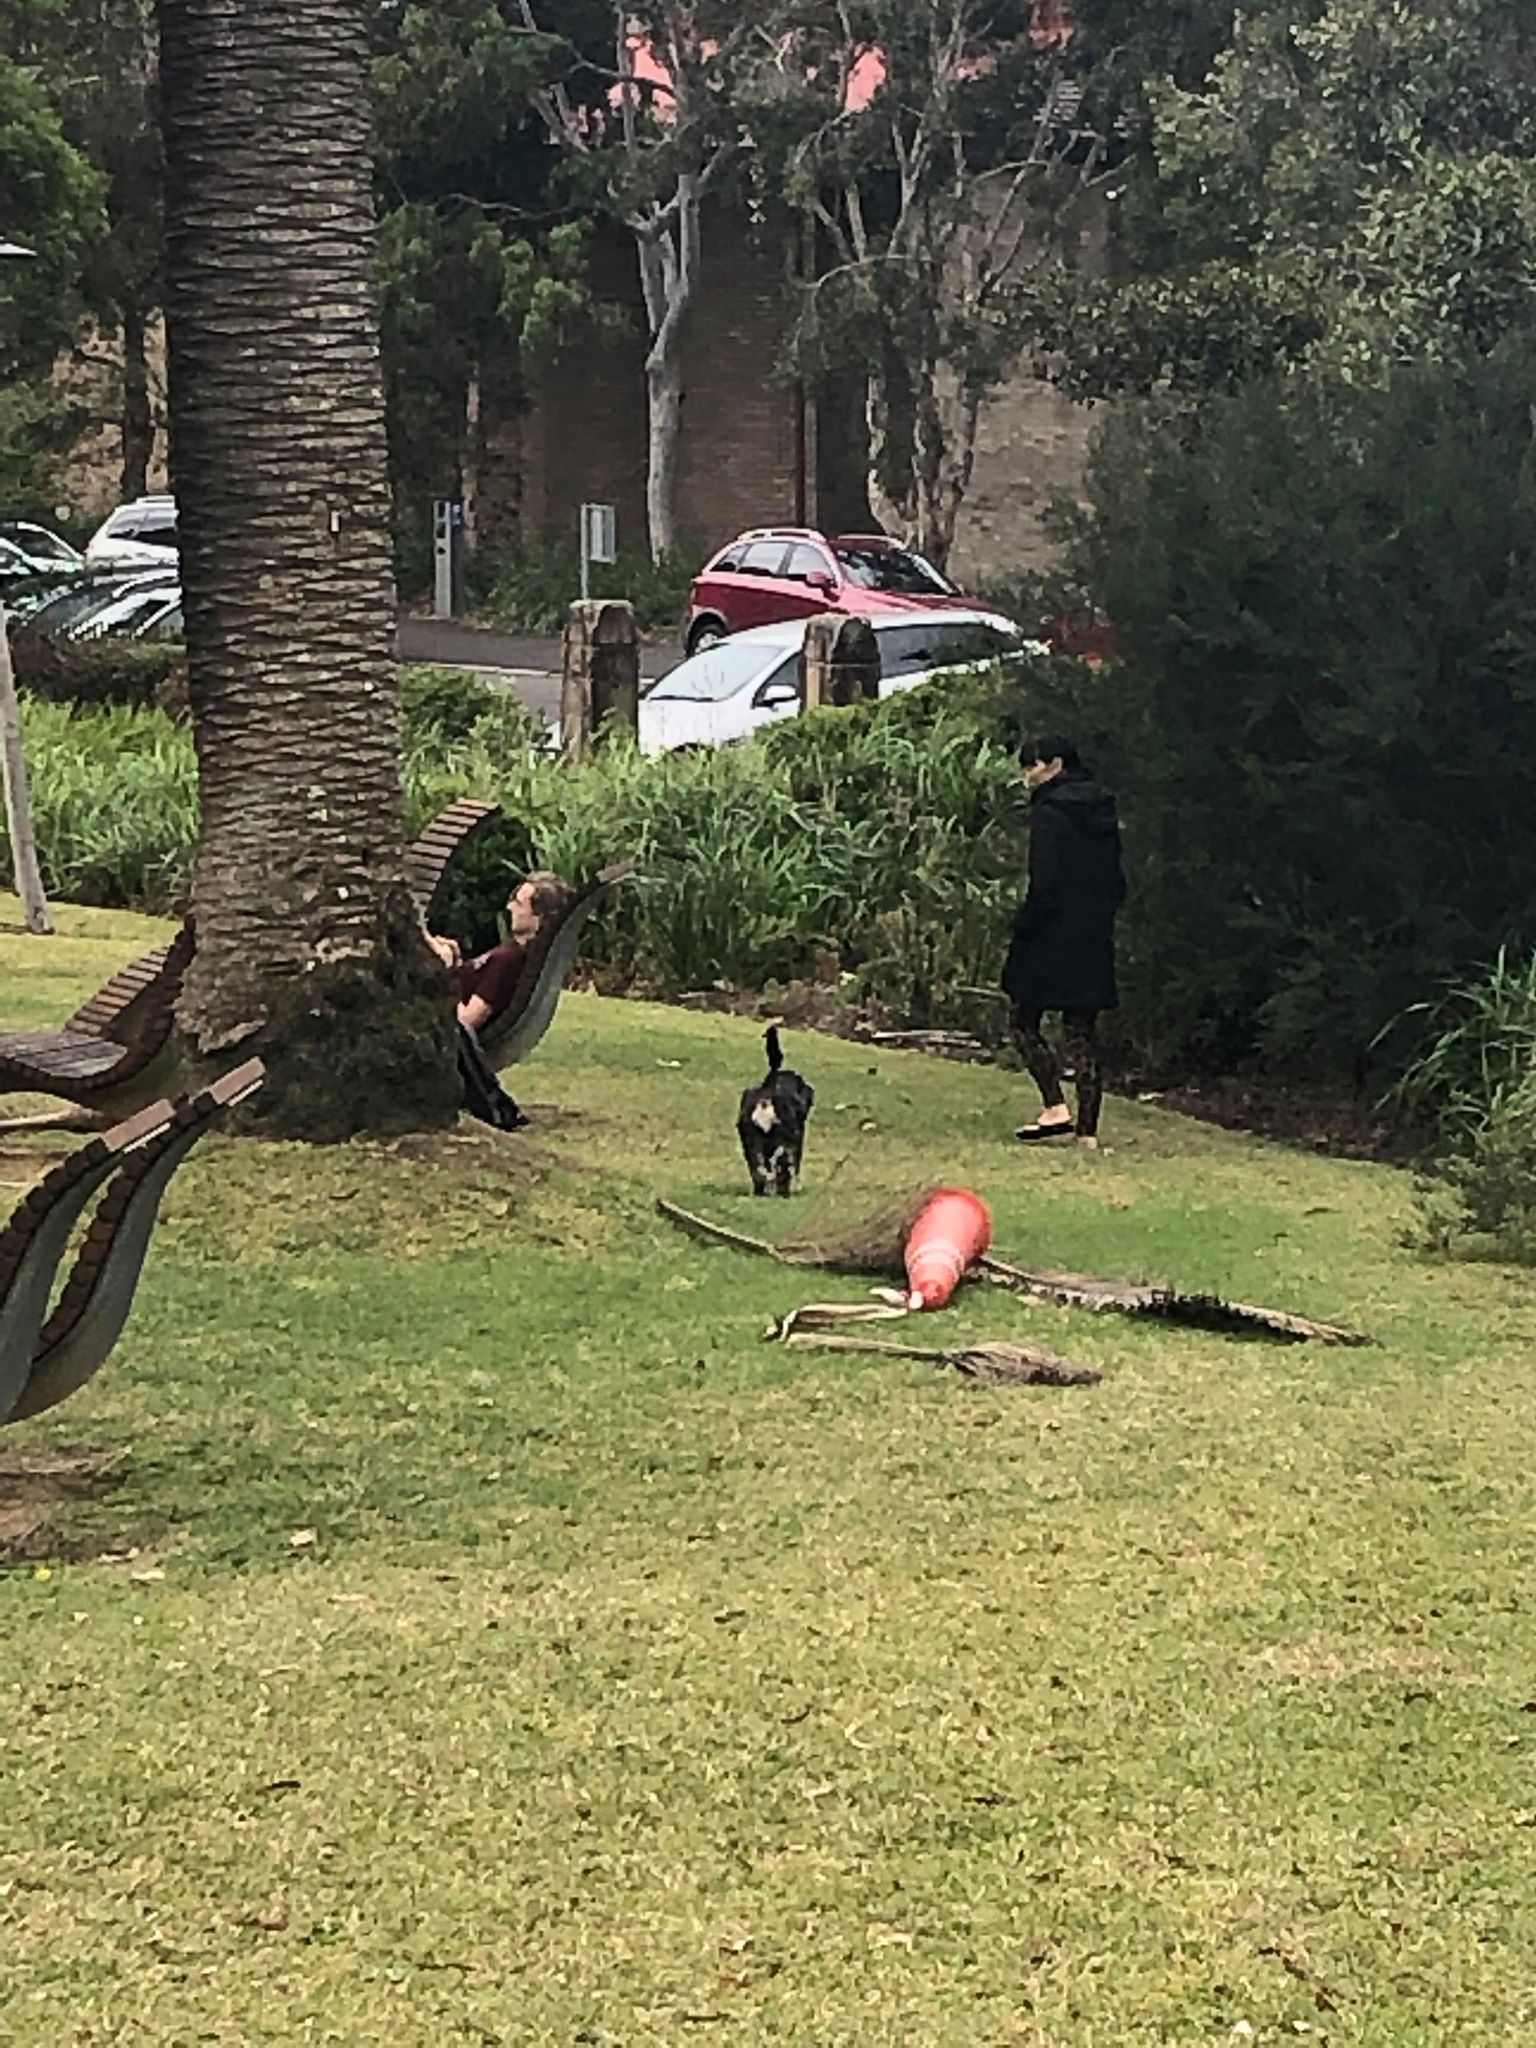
(37, 1486)
(1343, 1126)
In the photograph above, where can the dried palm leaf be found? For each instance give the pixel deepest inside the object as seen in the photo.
(991, 1363)
(1165, 1304)
(874, 1244)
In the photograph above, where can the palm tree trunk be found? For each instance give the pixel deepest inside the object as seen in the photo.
(307, 944)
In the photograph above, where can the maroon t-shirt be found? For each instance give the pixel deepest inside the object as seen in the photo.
(492, 976)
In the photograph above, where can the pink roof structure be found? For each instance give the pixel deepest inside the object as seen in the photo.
(1052, 29)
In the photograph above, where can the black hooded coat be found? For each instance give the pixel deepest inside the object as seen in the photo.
(1063, 951)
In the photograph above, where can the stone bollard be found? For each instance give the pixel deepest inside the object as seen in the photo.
(840, 662)
(600, 674)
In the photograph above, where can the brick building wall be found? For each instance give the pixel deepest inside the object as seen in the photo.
(753, 452)
(1031, 448)
(746, 438)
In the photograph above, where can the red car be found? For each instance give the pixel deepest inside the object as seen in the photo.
(789, 572)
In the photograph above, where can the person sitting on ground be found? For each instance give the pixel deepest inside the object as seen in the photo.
(1063, 951)
(487, 983)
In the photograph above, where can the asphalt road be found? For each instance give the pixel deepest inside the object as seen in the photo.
(527, 664)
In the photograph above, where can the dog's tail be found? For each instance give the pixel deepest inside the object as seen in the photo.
(775, 1050)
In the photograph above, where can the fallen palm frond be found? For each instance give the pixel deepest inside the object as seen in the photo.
(990, 1363)
(1167, 1304)
(874, 1244)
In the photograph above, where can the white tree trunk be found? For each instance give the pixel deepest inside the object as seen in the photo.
(669, 246)
(893, 515)
(18, 807)
(469, 462)
(664, 427)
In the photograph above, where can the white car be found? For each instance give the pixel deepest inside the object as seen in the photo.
(150, 611)
(731, 689)
(28, 550)
(140, 535)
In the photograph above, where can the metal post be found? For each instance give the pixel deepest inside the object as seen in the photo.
(599, 528)
(447, 557)
(18, 807)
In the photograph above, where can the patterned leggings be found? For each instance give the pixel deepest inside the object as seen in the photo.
(1080, 1040)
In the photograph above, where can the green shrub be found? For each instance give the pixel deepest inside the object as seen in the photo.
(1477, 1082)
(882, 847)
(114, 801)
(1322, 721)
(443, 706)
(1479, 1196)
(106, 671)
(532, 591)
(1482, 1052)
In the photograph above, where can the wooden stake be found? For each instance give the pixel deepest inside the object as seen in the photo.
(18, 808)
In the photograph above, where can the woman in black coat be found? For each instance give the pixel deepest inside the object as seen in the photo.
(1063, 951)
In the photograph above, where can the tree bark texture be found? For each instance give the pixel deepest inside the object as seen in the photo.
(138, 414)
(308, 947)
(664, 417)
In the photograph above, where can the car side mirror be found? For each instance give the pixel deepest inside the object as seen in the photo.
(823, 580)
(772, 695)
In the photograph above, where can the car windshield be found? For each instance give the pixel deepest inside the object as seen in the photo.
(37, 542)
(897, 570)
(717, 673)
(125, 614)
(76, 602)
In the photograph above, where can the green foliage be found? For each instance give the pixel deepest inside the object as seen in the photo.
(114, 801)
(1482, 1052)
(442, 706)
(532, 590)
(1350, 186)
(1477, 1081)
(106, 671)
(1323, 721)
(51, 199)
(1480, 1199)
(36, 429)
(881, 848)
(480, 276)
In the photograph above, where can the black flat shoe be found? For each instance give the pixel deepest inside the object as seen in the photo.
(1034, 1134)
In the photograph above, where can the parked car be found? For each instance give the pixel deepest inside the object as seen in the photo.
(65, 610)
(141, 533)
(149, 611)
(789, 572)
(29, 550)
(733, 687)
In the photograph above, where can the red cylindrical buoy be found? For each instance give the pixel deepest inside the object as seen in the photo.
(952, 1228)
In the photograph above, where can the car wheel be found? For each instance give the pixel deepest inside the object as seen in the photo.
(705, 633)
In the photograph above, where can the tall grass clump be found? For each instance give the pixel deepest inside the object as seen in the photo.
(1477, 1083)
(114, 802)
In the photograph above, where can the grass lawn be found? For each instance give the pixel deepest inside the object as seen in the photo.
(491, 1639)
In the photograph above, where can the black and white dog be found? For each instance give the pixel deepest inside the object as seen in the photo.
(772, 1121)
